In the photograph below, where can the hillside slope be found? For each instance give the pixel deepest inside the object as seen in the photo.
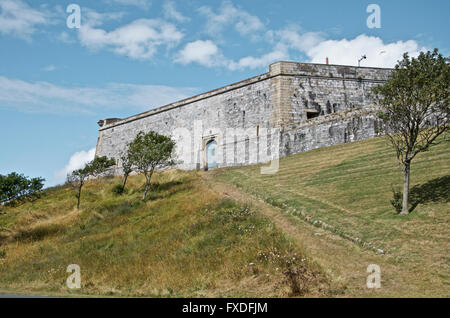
(343, 193)
(311, 229)
(186, 240)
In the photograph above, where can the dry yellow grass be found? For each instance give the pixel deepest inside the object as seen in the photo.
(187, 240)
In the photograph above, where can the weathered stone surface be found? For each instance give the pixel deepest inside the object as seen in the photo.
(294, 107)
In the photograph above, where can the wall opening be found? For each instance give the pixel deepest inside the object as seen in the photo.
(211, 155)
(311, 113)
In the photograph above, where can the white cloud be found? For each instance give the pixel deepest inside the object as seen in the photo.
(347, 52)
(251, 62)
(313, 45)
(19, 19)
(208, 54)
(65, 37)
(49, 68)
(77, 161)
(138, 3)
(344, 52)
(170, 12)
(292, 38)
(138, 40)
(205, 53)
(93, 18)
(243, 22)
(44, 97)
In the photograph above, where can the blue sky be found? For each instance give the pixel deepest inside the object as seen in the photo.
(129, 56)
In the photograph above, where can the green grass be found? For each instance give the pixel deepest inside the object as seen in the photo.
(185, 240)
(349, 188)
(236, 233)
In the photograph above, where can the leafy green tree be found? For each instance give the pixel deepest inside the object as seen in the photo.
(93, 168)
(149, 151)
(415, 109)
(14, 187)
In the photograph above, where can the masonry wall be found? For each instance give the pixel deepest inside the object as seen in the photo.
(339, 98)
(294, 107)
(358, 124)
(232, 116)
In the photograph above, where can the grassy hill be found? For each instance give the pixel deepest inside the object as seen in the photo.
(311, 229)
(186, 240)
(345, 191)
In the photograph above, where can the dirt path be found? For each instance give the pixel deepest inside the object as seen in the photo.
(345, 262)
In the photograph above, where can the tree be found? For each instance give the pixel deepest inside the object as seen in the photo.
(93, 168)
(78, 177)
(127, 166)
(16, 186)
(415, 109)
(150, 151)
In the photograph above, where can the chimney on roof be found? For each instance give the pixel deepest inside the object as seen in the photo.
(326, 60)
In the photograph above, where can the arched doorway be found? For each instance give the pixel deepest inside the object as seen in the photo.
(211, 155)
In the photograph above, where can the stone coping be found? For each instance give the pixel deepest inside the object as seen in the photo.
(189, 100)
(282, 68)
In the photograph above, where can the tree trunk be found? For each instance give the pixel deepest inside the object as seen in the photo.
(79, 195)
(147, 185)
(406, 171)
(125, 177)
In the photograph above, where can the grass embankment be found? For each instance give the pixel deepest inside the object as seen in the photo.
(348, 187)
(186, 240)
(198, 235)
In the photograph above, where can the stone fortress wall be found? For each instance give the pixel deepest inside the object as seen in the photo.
(294, 107)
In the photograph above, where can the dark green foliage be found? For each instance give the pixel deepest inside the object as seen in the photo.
(118, 189)
(99, 165)
(416, 97)
(15, 187)
(149, 151)
(415, 108)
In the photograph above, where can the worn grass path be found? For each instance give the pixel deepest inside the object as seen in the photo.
(342, 260)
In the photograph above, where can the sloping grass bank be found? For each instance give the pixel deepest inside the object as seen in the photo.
(185, 240)
(348, 187)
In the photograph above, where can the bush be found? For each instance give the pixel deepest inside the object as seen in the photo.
(118, 189)
(397, 199)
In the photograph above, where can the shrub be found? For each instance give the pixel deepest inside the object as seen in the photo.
(397, 199)
(118, 189)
